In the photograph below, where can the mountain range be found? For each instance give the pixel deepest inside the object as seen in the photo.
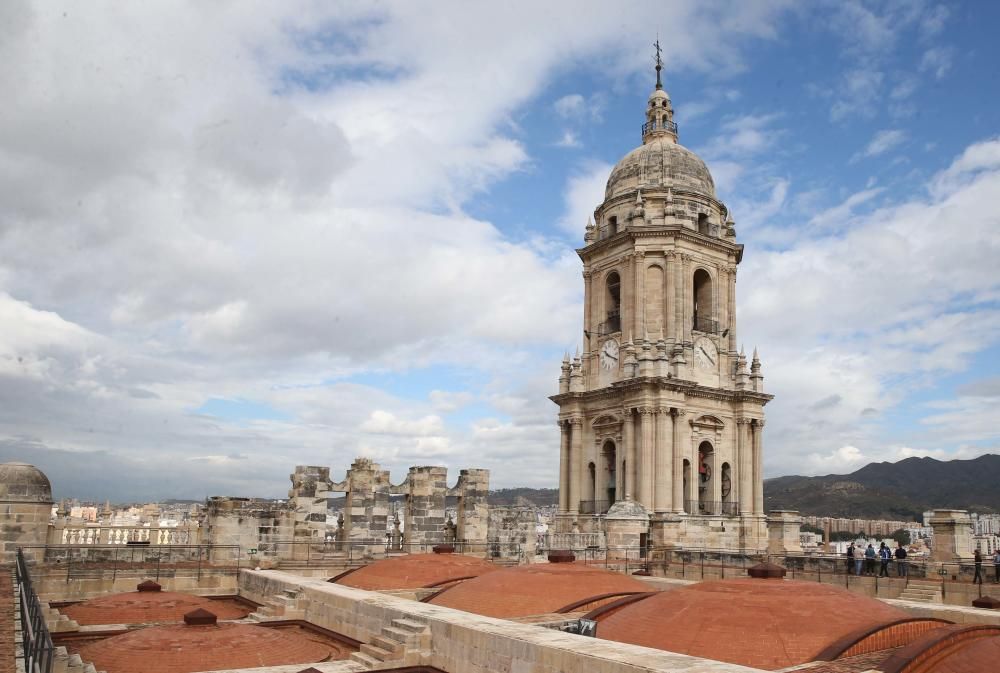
(896, 491)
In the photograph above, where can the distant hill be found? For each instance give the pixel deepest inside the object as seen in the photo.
(902, 490)
(539, 497)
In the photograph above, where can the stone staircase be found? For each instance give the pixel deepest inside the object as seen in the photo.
(403, 643)
(922, 591)
(56, 621)
(285, 605)
(63, 662)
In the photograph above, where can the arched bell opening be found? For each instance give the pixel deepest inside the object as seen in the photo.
(609, 460)
(706, 459)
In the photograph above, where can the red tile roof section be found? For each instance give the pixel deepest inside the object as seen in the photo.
(147, 607)
(415, 571)
(186, 649)
(534, 589)
(767, 624)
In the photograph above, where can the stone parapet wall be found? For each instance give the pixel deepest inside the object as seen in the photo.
(465, 643)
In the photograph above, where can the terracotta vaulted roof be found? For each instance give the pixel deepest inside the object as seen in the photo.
(182, 648)
(147, 607)
(767, 624)
(535, 589)
(415, 571)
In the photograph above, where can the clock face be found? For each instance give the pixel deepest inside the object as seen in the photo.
(609, 354)
(705, 354)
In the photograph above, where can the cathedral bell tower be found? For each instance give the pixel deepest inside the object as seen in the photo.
(660, 416)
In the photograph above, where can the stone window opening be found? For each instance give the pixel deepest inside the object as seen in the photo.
(612, 304)
(703, 224)
(592, 469)
(726, 487)
(612, 226)
(705, 476)
(702, 309)
(609, 454)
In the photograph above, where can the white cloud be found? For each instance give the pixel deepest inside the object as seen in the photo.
(572, 105)
(568, 139)
(584, 192)
(881, 142)
(937, 61)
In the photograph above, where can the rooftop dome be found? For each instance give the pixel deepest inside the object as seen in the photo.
(658, 164)
(184, 648)
(415, 571)
(21, 482)
(535, 589)
(769, 624)
(147, 607)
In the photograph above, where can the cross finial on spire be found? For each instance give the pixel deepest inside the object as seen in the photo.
(659, 62)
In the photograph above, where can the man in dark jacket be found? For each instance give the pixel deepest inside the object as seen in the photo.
(978, 559)
(850, 557)
(884, 556)
(900, 560)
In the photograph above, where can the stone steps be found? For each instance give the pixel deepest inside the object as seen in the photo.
(922, 591)
(402, 641)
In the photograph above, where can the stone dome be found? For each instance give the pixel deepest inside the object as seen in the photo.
(537, 589)
(659, 164)
(763, 623)
(21, 482)
(415, 571)
(187, 648)
(147, 607)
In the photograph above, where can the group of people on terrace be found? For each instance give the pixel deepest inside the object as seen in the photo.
(863, 560)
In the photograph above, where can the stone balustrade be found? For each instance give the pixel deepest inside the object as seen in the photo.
(85, 536)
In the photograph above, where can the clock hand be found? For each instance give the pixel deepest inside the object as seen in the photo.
(706, 354)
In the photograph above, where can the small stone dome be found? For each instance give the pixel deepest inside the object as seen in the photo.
(186, 648)
(768, 624)
(414, 571)
(537, 589)
(147, 607)
(659, 164)
(21, 482)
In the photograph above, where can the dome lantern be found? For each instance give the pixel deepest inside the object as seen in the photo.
(659, 112)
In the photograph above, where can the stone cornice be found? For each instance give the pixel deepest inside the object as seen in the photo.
(673, 231)
(689, 388)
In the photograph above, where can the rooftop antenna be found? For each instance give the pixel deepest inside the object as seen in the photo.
(659, 62)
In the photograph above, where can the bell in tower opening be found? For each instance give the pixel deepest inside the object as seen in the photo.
(661, 418)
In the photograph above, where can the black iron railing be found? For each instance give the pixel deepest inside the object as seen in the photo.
(611, 325)
(35, 638)
(707, 325)
(594, 506)
(669, 127)
(708, 507)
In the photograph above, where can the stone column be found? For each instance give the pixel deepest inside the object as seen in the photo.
(732, 308)
(640, 294)
(745, 467)
(758, 468)
(563, 466)
(686, 308)
(952, 535)
(677, 452)
(678, 298)
(590, 329)
(644, 468)
(629, 436)
(783, 528)
(669, 299)
(664, 461)
(627, 311)
(575, 459)
(691, 454)
(473, 509)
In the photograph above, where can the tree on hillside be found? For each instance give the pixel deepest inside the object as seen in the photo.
(844, 536)
(808, 528)
(901, 535)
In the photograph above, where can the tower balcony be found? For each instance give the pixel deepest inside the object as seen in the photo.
(658, 125)
(611, 325)
(706, 325)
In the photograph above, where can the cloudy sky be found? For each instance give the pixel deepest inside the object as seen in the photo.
(235, 238)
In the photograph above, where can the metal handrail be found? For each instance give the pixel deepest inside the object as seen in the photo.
(706, 325)
(711, 508)
(669, 127)
(36, 640)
